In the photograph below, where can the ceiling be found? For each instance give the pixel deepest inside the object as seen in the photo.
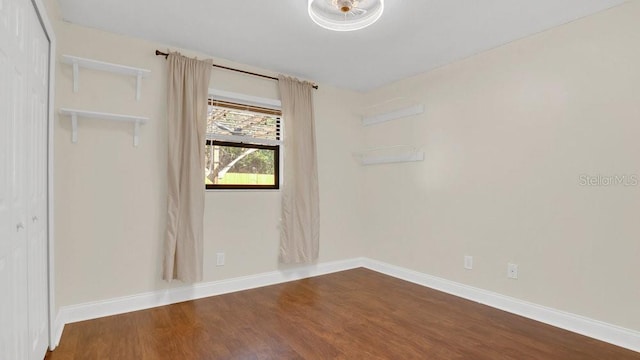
(413, 36)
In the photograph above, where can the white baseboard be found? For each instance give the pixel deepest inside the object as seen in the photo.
(612, 334)
(97, 309)
(616, 335)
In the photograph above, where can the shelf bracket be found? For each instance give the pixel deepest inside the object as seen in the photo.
(75, 76)
(136, 133)
(74, 128)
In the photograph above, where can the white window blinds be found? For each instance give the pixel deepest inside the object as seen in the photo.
(227, 121)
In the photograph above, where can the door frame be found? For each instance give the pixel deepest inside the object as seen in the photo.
(41, 11)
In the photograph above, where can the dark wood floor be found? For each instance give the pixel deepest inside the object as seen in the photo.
(356, 314)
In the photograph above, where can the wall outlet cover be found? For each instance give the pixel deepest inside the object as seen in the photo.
(512, 271)
(468, 262)
(220, 259)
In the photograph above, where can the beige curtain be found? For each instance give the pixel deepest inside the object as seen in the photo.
(300, 227)
(187, 117)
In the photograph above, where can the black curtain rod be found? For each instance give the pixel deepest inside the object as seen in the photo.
(160, 53)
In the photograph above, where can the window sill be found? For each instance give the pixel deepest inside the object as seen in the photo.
(240, 190)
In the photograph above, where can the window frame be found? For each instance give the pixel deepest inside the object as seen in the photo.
(250, 102)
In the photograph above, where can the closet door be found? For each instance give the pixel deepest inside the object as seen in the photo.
(13, 204)
(24, 50)
(36, 186)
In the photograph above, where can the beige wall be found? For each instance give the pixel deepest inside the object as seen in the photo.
(110, 197)
(506, 135)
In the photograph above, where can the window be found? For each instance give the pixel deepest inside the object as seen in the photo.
(242, 149)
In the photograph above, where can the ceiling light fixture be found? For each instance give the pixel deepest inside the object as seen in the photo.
(345, 15)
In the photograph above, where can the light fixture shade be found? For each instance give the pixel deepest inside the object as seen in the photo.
(345, 15)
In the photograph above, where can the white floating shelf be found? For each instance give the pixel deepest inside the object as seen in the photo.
(392, 115)
(78, 62)
(391, 154)
(74, 114)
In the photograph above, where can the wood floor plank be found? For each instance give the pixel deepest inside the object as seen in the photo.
(355, 314)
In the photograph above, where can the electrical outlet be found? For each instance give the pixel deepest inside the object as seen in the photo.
(220, 259)
(512, 271)
(468, 262)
